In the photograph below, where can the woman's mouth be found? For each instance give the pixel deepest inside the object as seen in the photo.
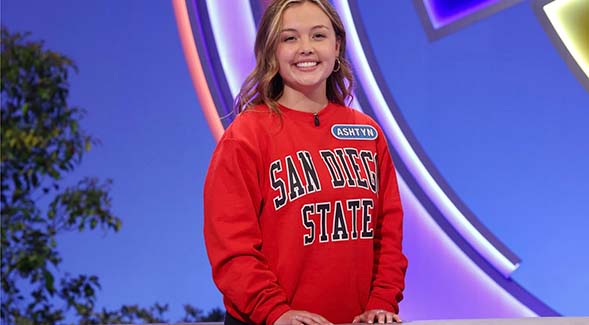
(306, 64)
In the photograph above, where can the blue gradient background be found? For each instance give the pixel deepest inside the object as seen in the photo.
(493, 105)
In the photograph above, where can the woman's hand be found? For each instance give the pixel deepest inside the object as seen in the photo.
(377, 316)
(300, 317)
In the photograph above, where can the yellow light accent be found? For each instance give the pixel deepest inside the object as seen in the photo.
(570, 19)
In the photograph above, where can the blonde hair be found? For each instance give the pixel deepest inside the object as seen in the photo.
(264, 84)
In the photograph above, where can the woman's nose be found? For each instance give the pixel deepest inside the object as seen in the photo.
(307, 51)
(306, 47)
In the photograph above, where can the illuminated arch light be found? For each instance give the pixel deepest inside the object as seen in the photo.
(236, 53)
(195, 68)
(235, 68)
(567, 24)
(442, 17)
(377, 101)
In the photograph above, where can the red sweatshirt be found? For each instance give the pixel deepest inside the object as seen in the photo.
(303, 212)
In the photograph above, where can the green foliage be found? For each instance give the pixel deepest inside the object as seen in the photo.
(128, 314)
(41, 143)
(195, 315)
(133, 314)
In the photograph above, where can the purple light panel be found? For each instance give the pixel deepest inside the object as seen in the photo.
(444, 12)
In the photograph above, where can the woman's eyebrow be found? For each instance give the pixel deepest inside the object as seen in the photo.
(296, 30)
(320, 27)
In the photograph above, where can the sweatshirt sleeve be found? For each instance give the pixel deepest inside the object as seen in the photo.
(232, 199)
(390, 264)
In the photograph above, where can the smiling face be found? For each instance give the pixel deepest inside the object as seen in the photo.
(307, 49)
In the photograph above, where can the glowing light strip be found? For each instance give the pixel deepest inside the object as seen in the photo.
(472, 274)
(554, 12)
(416, 167)
(438, 21)
(236, 53)
(356, 105)
(199, 82)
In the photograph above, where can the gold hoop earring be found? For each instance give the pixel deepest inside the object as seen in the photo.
(338, 64)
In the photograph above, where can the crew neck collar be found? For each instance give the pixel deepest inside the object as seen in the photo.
(296, 114)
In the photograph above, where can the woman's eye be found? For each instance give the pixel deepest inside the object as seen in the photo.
(289, 38)
(319, 35)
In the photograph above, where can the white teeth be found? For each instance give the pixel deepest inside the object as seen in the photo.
(306, 64)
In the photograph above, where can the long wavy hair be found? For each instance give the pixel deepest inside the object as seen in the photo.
(264, 84)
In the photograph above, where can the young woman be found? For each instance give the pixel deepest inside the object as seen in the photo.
(303, 221)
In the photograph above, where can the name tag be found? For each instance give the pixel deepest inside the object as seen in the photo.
(354, 132)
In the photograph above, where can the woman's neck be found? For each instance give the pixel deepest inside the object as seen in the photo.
(311, 102)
